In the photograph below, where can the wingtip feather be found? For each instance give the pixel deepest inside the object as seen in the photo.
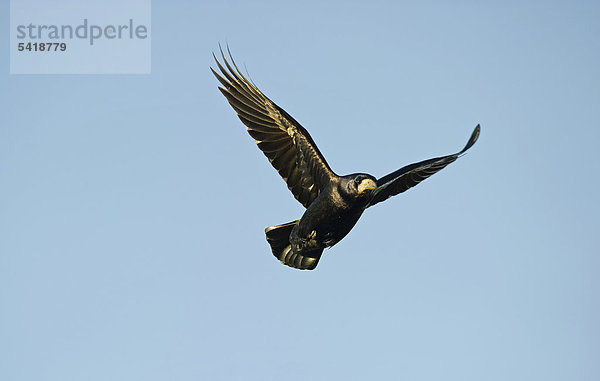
(472, 139)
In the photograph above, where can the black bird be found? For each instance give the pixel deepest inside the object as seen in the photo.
(333, 203)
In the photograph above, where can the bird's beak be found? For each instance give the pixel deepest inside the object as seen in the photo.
(366, 185)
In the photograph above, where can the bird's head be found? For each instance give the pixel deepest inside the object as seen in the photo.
(359, 185)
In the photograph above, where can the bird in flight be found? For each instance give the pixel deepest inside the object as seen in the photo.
(333, 203)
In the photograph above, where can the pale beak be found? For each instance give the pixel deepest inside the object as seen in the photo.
(366, 185)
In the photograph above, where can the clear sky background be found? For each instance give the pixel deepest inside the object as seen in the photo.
(133, 207)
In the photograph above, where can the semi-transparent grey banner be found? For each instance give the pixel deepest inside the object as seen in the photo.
(80, 37)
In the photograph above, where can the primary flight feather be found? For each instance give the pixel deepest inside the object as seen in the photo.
(333, 203)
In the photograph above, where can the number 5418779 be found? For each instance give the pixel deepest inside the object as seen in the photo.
(43, 46)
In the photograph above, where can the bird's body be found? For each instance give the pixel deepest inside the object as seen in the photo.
(333, 203)
(330, 217)
(327, 220)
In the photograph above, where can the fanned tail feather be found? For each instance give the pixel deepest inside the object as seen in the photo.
(279, 239)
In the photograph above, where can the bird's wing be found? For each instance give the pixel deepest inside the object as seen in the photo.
(411, 175)
(287, 145)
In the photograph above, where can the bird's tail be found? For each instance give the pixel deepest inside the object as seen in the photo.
(279, 239)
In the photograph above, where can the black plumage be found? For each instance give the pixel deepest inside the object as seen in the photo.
(333, 203)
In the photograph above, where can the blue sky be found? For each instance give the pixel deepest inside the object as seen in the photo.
(132, 207)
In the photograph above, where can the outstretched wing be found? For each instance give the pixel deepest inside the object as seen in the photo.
(287, 145)
(409, 176)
